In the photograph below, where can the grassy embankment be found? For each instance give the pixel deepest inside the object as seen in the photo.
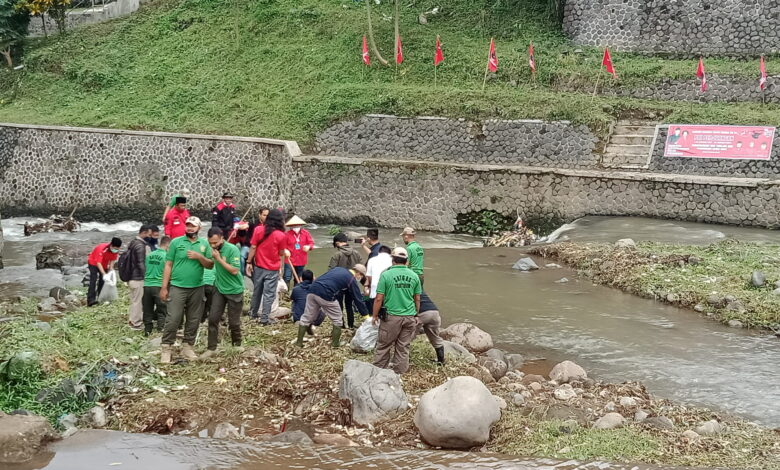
(266, 384)
(288, 68)
(668, 273)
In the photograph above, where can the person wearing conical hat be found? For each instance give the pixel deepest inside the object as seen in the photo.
(300, 243)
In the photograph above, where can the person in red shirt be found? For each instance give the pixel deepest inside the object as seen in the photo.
(267, 249)
(175, 218)
(99, 262)
(299, 244)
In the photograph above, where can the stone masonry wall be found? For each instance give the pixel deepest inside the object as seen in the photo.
(678, 27)
(714, 166)
(430, 196)
(495, 142)
(102, 172)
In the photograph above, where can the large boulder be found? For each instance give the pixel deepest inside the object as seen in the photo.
(525, 264)
(567, 371)
(457, 414)
(468, 336)
(496, 367)
(22, 436)
(50, 257)
(458, 351)
(375, 394)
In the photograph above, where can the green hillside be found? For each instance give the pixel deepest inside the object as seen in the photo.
(287, 68)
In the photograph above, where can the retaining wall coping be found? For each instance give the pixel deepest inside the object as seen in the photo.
(535, 170)
(290, 146)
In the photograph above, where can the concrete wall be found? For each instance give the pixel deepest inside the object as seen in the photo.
(110, 174)
(679, 27)
(82, 17)
(430, 196)
(494, 142)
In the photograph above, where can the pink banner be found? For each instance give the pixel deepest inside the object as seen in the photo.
(730, 142)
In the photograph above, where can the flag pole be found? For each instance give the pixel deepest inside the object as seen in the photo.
(487, 66)
(435, 75)
(595, 88)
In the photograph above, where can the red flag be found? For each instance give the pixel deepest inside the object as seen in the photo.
(702, 75)
(438, 56)
(492, 58)
(366, 57)
(399, 51)
(531, 59)
(762, 80)
(607, 62)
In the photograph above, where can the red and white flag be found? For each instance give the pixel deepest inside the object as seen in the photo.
(438, 56)
(762, 80)
(366, 57)
(399, 51)
(531, 58)
(702, 75)
(607, 63)
(492, 57)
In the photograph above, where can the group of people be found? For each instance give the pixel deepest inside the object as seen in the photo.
(182, 279)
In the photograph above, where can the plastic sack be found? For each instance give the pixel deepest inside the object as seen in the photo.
(365, 337)
(108, 292)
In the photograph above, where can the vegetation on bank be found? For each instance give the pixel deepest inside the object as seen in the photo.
(713, 279)
(272, 382)
(288, 68)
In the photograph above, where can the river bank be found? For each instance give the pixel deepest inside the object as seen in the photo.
(273, 385)
(736, 283)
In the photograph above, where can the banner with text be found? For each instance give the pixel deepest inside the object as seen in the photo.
(729, 142)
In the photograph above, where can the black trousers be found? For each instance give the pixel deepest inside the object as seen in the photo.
(345, 301)
(154, 309)
(95, 285)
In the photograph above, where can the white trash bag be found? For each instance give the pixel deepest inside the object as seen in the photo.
(365, 337)
(108, 292)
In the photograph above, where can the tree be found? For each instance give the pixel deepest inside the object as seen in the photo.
(56, 9)
(371, 40)
(13, 27)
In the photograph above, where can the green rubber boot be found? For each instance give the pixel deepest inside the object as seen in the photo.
(301, 334)
(335, 337)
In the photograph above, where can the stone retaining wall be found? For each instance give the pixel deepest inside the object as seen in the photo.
(678, 27)
(521, 142)
(713, 166)
(109, 174)
(430, 196)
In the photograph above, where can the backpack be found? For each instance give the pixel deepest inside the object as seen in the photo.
(123, 264)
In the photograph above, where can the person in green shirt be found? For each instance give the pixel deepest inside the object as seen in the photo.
(416, 254)
(185, 261)
(154, 307)
(399, 292)
(228, 290)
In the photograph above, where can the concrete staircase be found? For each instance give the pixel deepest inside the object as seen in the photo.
(630, 144)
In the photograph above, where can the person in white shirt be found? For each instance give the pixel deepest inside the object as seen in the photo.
(376, 266)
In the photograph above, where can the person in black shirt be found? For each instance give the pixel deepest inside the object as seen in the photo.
(223, 213)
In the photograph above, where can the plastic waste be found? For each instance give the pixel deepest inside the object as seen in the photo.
(365, 337)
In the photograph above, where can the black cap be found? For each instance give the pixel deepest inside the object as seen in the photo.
(181, 200)
(227, 194)
(116, 242)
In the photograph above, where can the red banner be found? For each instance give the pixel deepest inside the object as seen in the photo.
(730, 142)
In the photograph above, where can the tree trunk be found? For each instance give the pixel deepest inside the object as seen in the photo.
(43, 22)
(7, 54)
(371, 40)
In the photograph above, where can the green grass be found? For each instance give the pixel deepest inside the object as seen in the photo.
(289, 68)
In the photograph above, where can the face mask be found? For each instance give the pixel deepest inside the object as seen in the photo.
(297, 229)
(150, 240)
(192, 235)
(114, 250)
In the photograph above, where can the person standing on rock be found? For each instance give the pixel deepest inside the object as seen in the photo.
(430, 319)
(399, 292)
(376, 266)
(185, 261)
(176, 218)
(137, 250)
(416, 253)
(185, 193)
(228, 290)
(299, 244)
(100, 261)
(223, 214)
(264, 263)
(153, 306)
(323, 298)
(371, 244)
(345, 257)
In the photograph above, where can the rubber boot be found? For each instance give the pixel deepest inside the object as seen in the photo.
(440, 355)
(335, 337)
(188, 352)
(165, 354)
(301, 334)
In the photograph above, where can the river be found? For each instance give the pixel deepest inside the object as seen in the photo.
(615, 336)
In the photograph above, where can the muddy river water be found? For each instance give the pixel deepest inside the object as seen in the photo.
(615, 336)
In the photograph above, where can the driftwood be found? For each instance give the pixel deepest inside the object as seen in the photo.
(56, 223)
(518, 237)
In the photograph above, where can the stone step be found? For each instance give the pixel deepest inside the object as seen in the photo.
(616, 160)
(631, 139)
(634, 130)
(623, 149)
